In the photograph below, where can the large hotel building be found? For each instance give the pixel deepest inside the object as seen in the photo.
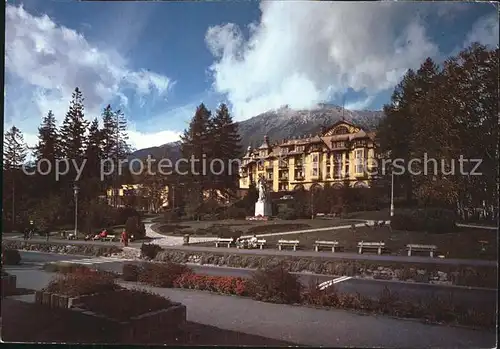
(339, 155)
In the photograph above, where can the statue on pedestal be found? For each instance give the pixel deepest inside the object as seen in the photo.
(262, 206)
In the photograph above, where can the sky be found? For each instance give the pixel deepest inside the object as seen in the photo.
(157, 61)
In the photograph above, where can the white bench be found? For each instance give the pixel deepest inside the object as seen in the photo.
(371, 245)
(293, 243)
(332, 244)
(223, 241)
(422, 248)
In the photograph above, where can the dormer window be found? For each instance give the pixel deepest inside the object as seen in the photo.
(341, 130)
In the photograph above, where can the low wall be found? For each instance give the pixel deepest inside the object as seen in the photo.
(63, 248)
(483, 276)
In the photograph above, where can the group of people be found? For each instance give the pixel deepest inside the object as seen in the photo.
(246, 242)
(104, 234)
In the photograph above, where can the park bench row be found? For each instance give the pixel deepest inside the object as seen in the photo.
(334, 245)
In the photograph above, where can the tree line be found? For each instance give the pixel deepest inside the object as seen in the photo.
(447, 111)
(43, 198)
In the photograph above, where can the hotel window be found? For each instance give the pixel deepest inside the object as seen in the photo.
(260, 165)
(283, 186)
(283, 150)
(338, 166)
(262, 153)
(299, 148)
(270, 175)
(359, 161)
(315, 165)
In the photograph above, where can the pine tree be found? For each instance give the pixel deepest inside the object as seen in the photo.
(196, 144)
(14, 156)
(114, 144)
(226, 146)
(48, 149)
(73, 130)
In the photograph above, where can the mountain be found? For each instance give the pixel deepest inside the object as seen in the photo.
(279, 124)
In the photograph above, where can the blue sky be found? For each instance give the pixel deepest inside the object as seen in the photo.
(158, 60)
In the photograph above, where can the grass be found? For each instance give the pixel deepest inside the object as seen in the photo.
(461, 243)
(208, 228)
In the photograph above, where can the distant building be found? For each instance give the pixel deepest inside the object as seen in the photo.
(135, 195)
(338, 155)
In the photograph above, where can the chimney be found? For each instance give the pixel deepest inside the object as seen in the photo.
(323, 129)
(266, 139)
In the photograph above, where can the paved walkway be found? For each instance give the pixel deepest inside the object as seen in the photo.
(318, 327)
(302, 325)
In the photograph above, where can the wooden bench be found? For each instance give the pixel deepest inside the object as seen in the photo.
(109, 238)
(223, 241)
(379, 246)
(293, 243)
(423, 248)
(332, 244)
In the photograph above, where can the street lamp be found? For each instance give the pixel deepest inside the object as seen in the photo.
(392, 193)
(75, 192)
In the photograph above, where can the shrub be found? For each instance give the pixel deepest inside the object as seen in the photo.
(234, 212)
(219, 284)
(10, 256)
(132, 226)
(130, 272)
(122, 214)
(275, 285)
(287, 214)
(171, 216)
(150, 250)
(162, 275)
(82, 282)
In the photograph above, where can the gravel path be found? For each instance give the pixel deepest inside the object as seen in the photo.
(163, 240)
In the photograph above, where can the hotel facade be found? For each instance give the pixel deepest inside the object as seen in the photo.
(342, 154)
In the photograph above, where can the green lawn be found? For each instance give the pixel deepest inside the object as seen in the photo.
(206, 228)
(461, 243)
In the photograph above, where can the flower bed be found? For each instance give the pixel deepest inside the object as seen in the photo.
(221, 284)
(123, 305)
(82, 282)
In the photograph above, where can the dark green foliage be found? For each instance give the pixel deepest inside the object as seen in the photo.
(443, 112)
(275, 285)
(287, 213)
(10, 256)
(150, 250)
(432, 220)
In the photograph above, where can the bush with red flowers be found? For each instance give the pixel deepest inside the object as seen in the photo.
(160, 275)
(219, 284)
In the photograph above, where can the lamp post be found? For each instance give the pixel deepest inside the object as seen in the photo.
(392, 193)
(75, 192)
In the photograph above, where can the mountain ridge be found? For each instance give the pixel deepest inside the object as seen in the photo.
(277, 125)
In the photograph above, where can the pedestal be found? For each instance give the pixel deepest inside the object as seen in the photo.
(263, 208)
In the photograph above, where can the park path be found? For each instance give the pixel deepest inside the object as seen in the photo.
(164, 240)
(297, 324)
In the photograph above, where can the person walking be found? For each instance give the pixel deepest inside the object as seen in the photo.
(125, 238)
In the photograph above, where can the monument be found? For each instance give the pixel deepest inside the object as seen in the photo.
(263, 205)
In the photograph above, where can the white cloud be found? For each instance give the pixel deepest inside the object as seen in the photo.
(140, 140)
(304, 53)
(485, 31)
(360, 104)
(44, 63)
